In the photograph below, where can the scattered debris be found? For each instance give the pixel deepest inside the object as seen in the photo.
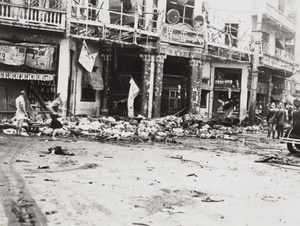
(57, 150)
(22, 160)
(176, 156)
(192, 175)
(269, 198)
(90, 166)
(208, 199)
(43, 167)
(173, 210)
(50, 180)
(164, 129)
(50, 212)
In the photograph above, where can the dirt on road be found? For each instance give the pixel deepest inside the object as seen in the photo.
(248, 181)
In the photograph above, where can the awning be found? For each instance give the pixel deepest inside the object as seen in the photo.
(25, 76)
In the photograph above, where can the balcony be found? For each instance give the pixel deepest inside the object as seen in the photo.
(113, 25)
(219, 48)
(277, 58)
(276, 15)
(32, 17)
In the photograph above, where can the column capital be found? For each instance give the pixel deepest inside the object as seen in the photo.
(106, 56)
(160, 58)
(147, 57)
(195, 62)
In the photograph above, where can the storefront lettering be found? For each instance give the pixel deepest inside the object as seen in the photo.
(2, 55)
(25, 76)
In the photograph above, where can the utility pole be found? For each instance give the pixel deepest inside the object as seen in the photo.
(254, 73)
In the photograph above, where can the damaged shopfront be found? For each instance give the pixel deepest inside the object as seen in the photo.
(157, 45)
(230, 90)
(30, 67)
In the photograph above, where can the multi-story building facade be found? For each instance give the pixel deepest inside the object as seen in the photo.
(185, 56)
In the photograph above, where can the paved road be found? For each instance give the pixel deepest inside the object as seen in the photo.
(193, 182)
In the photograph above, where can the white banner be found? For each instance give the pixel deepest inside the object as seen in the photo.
(133, 92)
(40, 57)
(86, 59)
(12, 55)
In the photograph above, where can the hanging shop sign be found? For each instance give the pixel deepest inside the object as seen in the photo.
(180, 51)
(25, 76)
(12, 55)
(182, 34)
(87, 59)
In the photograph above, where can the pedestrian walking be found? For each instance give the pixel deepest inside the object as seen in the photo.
(21, 113)
(54, 108)
(272, 120)
(281, 119)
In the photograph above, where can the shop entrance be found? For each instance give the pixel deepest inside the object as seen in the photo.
(174, 93)
(227, 93)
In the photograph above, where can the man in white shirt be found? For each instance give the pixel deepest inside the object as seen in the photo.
(21, 112)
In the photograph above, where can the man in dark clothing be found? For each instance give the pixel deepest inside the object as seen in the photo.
(272, 121)
(281, 119)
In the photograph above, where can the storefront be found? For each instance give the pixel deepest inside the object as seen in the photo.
(230, 91)
(30, 67)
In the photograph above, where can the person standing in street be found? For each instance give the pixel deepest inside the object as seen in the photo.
(272, 120)
(21, 113)
(54, 108)
(281, 119)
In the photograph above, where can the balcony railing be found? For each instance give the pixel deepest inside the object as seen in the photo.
(117, 25)
(279, 54)
(28, 16)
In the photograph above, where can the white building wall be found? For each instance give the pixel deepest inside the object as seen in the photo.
(87, 107)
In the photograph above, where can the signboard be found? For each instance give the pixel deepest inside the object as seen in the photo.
(86, 59)
(182, 34)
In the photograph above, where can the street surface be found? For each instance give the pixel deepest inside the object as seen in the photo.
(192, 182)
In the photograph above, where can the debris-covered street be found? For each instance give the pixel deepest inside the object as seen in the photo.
(249, 180)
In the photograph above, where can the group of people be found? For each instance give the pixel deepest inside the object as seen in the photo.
(277, 117)
(54, 107)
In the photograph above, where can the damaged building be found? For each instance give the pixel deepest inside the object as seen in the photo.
(182, 56)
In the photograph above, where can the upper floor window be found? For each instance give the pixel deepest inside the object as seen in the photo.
(281, 5)
(231, 34)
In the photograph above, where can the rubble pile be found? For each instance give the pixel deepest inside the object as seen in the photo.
(164, 129)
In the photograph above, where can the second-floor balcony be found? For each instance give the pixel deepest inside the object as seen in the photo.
(225, 46)
(114, 25)
(278, 53)
(32, 17)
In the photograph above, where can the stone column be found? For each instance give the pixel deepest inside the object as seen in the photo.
(158, 85)
(270, 89)
(145, 86)
(64, 71)
(194, 90)
(106, 82)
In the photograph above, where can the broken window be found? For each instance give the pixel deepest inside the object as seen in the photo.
(87, 91)
(231, 34)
